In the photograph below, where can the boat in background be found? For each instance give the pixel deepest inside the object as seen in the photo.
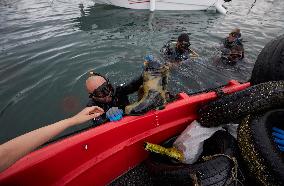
(153, 5)
(99, 155)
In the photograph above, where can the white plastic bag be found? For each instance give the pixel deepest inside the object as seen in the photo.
(232, 128)
(191, 140)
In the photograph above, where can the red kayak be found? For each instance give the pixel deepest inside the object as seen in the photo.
(99, 155)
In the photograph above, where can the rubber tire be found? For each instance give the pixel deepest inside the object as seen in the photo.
(258, 132)
(216, 171)
(269, 65)
(229, 108)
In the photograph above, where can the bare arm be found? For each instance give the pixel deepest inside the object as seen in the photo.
(18, 147)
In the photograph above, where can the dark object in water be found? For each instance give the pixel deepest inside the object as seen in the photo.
(262, 97)
(217, 167)
(233, 55)
(263, 158)
(154, 89)
(269, 65)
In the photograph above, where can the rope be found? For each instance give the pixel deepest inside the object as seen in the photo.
(252, 5)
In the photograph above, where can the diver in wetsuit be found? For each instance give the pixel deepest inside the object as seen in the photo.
(179, 50)
(234, 38)
(233, 50)
(111, 100)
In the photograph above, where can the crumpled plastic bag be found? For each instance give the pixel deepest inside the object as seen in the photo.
(191, 140)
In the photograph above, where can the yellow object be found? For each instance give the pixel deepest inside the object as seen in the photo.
(192, 53)
(171, 152)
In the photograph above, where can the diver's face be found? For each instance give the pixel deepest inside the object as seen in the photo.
(232, 36)
(235, 55)
(181, 46)
(102, 94)
(178, 45)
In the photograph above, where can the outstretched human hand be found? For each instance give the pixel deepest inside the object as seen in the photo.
(114, 114)
(278, 136)
(24, 144)
(88, 114)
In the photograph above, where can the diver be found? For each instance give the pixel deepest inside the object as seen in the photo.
(111, 100)
(232, 49)
(177, 51)
(115, 102)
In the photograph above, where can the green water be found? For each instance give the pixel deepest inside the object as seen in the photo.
(46, 50)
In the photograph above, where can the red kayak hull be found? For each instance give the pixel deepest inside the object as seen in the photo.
(100, 155)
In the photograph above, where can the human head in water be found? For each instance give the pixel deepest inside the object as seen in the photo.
(183, 42)
(234, 34)
(99, 88)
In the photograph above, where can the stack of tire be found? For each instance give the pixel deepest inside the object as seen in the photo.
(256, 109)
(217, 170)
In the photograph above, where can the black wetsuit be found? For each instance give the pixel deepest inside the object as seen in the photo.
(120, 98)
(230, 45)
(171, 53)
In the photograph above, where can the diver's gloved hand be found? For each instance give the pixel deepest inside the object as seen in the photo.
(278, 136)
(114, 114)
